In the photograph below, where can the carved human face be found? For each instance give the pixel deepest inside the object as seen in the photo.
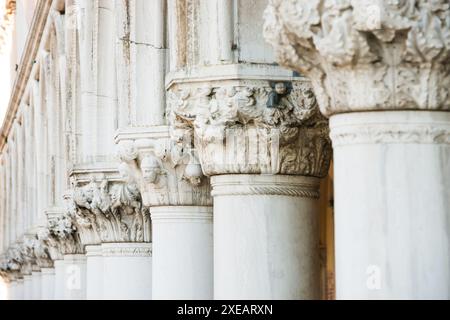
(280, 88)
(150, 169)
(150, 174)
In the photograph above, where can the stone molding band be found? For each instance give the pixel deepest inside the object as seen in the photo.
(179, 214)
(48, 271)
(390, 127)
(93, 250)
(267, 185)
(127, 250)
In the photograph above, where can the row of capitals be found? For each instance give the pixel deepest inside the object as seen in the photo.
(214, 128)
(226, 127)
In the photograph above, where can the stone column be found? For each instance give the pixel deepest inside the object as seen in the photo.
(94, 272)
(140, 66)
(11, 266)
(19, 292)
(265, 146)
(27, 287)
(242, 122)
(36, 285)
(180, 204)
(11, 290)
(47, 284)
(28, 264)
(135, 259)
(265, 237)
(111, 212)
(183, 251)
(47, 249)
(74, 277)
(70, 266)
(59, 279)
(97, 110)
(82, 215)
(380, 72)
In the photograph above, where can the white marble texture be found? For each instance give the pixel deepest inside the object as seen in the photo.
(182, 252)
(94, 272)
(59, 279)
(36, 285)
(74, 277)
(265, 243)
(19, 291)
(10, 290)
(47, 283)
(127, 271)
(27, 287)
(392, 201)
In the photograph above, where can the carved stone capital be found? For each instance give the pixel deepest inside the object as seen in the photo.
(11, 264)
(167, 174)
(62, 237)
(108, 211)
(41, 251)
(51, 243)
(251, 126)
(365, 55)
(26, 248)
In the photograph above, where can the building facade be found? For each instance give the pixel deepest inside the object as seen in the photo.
(226, 149)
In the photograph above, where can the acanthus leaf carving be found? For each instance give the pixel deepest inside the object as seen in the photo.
(108, 212)
(165, 171)
(251, 127)
(11, 264)
(366, 55)
(63, 235)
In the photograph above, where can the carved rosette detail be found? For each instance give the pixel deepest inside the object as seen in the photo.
(251, 127)
(107, 211)
(364, 55)
(167, 174)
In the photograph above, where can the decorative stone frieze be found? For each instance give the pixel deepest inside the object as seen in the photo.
(107, 211)
(364, 55)
(166, 173)
(251, 126)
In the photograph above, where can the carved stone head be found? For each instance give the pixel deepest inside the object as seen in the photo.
(280, 88)
(151, 169)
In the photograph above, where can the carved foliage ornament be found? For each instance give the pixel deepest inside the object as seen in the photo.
(366, 54)
(11, 264)
(51, 244)
(252, 127)
(29, 255)
(27, 251)
(166, 173)
(62, 235)
(108, 212)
